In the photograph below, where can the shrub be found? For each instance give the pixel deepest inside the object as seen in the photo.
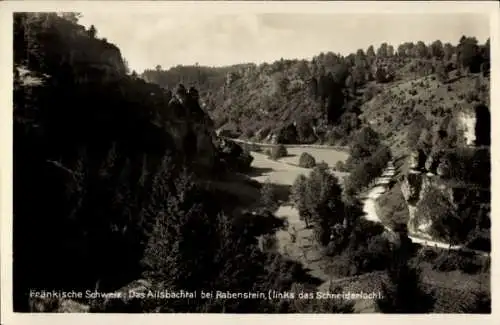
(392, 207)
(248, 133)
(365, 143)
(269, 242)
(342, 266)
(368, 169)
(306, 160)
(340, 166)
(471, 266)
(319, 201)
(480, 242)
(428, 254)
(375, 256)
(269, 196)
(278, 152)
(472, 96)
(449, 261)
(481, 303)
(235, 156)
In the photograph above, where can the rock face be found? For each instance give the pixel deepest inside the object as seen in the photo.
(206, 151)
(91, 61)
(411, 187)
(191, 128)
(231, 77)
(414, 160)
(467, 123)
(417, 160)
(476, 126)
(443, 169)
(414, 185)
(432, 162)
(271, 138)
(444, 176)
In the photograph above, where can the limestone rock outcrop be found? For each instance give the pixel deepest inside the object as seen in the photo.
(475, 126)
(191, 128)
(452, 176)
(417, 160)
(467, 124)
(411, 187)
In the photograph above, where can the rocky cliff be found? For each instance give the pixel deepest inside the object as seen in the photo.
(71, 57)
(451, 187)
(91, 144)
(447, 184)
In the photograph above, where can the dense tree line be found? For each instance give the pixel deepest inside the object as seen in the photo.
(318, 198)
(338, 224)
(367, 161)
(321, 89)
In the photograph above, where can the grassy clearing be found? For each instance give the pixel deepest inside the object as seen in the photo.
(329, 156)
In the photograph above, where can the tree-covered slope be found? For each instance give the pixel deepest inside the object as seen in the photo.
(321, 100)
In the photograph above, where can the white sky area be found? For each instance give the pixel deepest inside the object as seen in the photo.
(147, 39)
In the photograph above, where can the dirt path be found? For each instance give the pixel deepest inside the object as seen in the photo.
(371, 214)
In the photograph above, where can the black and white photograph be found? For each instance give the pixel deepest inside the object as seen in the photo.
(250, 161)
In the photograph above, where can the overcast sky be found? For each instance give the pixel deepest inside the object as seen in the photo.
(146, 39)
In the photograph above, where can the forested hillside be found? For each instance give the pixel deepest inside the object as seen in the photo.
(426, 101)
(329, 97)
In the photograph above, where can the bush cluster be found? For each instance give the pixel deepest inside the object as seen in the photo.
(278, 152)
(306, 160)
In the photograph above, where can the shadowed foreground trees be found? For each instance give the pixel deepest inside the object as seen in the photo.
(402, 292)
